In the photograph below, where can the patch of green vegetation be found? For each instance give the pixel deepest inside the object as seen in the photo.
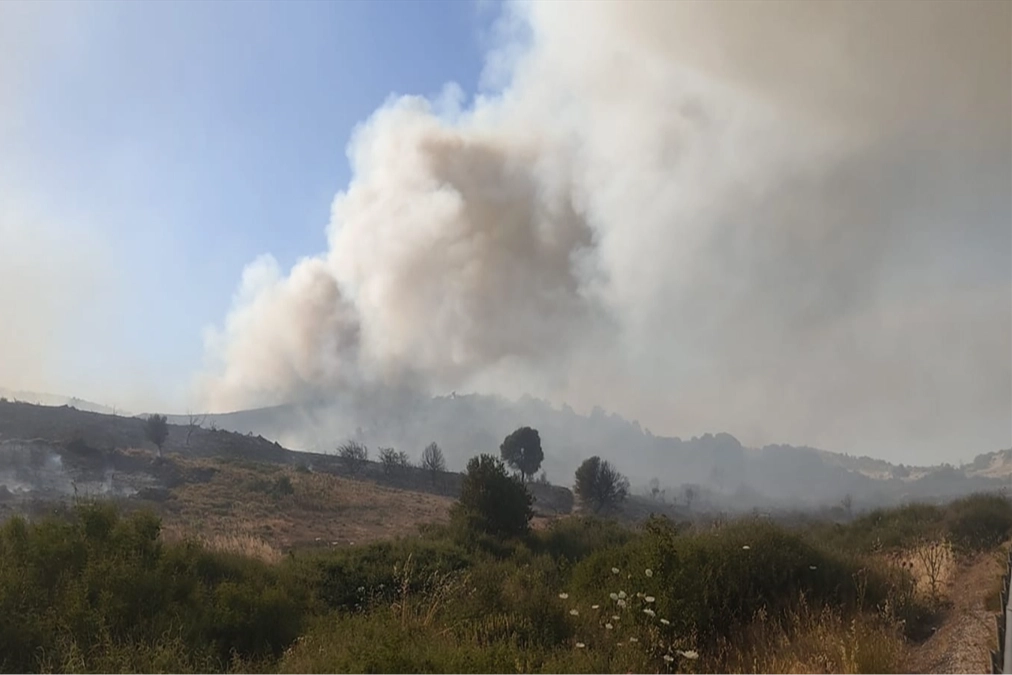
(91, 589)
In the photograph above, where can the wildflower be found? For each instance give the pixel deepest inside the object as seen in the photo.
(649, 572)
(580, 645)
(622, 594)
(632, 639)
(574, 612)
(595, 606)
(614, 617)
(614, 570)
(613, 596)
(564, 596)
(746, 547)
(649, 612)
(361, 589)
(621, 603)
(812, 567)
(649, 598)
(668, 658)
(608, 626)
(639, 595)
(665, 622)
(691, 654)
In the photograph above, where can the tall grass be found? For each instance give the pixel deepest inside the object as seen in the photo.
(92, 589)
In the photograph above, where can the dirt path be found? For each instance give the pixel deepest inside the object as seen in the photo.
(966, 635)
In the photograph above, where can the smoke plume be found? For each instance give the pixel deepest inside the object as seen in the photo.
(787, 220)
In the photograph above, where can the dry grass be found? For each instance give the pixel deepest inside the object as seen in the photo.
(245, 545)
(815, 642)
(933, 566)
(238, 505)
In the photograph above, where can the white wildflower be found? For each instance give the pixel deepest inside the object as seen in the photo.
(595, 606)
(665, 622)
(649, 572)
(574, 612)
(608, 626)
(614, 570)
(668, 658)
(649, 598)
(580, 645)
(639, 595)
(632, 639)
(621, 603)
(614, 617)
(622, 595)
(691, 654)
(613, 596)
(564, 596)
(812, 567)
(649, 612)
(746, 547)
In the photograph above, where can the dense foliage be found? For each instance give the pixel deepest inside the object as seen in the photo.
(522, 451)
(599, 486)
(492, 501)
(92, 589)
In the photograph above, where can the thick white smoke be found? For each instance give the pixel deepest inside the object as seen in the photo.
(789, 220)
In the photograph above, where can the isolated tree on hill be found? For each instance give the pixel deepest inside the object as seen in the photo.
(491, 500)
(599, 485)
(354, 455)
(156, 430)
(433, 461)
(522, 451)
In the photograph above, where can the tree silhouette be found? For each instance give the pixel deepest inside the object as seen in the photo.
(433, 461)
(156, 430)
(522, 451)
(599, 485)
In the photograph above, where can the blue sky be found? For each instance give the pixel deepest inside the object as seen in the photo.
(191, 137)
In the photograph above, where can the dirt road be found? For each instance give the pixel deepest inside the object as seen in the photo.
(966, 635)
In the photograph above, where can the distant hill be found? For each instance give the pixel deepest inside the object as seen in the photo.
(40, 398)
(723, 469)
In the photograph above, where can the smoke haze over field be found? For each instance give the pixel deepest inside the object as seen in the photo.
(789, 221)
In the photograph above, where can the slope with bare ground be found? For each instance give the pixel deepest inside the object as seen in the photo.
(962, 641)
(288, 508)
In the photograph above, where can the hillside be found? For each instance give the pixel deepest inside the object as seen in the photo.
(220, 483)
(739, 477)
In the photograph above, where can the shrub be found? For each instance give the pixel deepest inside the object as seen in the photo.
(393, 461)
(491, 501)
(354, 455)
(979, 522)
(599, 486)
(710, 584)
(92, 587)
(156, 430)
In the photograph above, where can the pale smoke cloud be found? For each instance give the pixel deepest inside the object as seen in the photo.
(786, 220)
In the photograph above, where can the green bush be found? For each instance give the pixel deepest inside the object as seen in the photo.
(979, 522)
(709, 584)
(491, 501)
(83, 587)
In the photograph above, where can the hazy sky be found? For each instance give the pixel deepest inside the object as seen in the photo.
(788, 221)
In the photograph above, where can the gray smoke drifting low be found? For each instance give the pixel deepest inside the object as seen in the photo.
(788, 220)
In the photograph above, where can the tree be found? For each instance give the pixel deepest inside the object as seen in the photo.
(492, 501)
(599, 485)
(433, 461)
(393, 461)
(522, 451)
(354, 455)
(193, 422)
(156, 429)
